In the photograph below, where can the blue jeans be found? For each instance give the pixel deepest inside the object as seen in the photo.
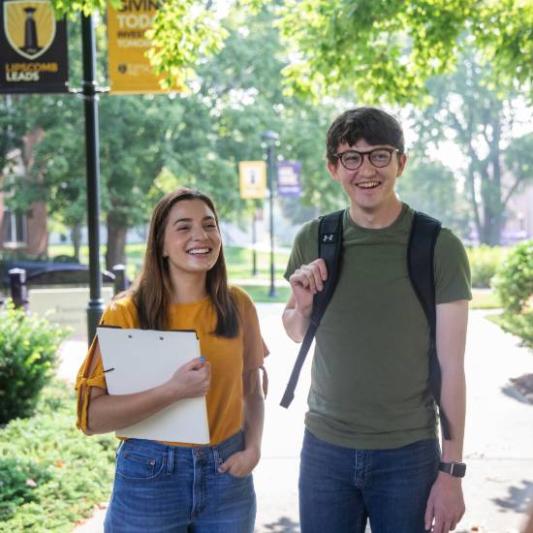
(178, 489)
(341, 488)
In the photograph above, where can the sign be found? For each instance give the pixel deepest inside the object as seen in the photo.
(130, 71)
(252, 178)
(33, 47)
(289, 178)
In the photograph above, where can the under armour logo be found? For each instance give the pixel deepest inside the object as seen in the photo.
(328, 237)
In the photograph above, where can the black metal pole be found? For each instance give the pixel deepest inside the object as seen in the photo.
(95, 307)
(271, 137)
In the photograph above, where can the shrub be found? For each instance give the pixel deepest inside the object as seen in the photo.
(484, 263)
(18, 479)
(514, 284)
(28, 348)
(61, 474)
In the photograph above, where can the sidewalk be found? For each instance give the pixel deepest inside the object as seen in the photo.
(498, 486)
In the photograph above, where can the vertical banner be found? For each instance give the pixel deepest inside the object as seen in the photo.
(129, 68)
(33, 48)
(289, 178)
(252, 179)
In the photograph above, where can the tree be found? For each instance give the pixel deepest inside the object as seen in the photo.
(387, 50)
(431, 187)
(481, 122)
(242, 88)
(132, 155)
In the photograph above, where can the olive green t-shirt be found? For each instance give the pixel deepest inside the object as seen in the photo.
(369, 385)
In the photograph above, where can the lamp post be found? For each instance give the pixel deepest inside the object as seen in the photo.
(95, 307)
(270, 139)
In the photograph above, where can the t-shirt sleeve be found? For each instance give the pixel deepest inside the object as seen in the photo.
(452, 271)
(91, 373)
(304, 249)
(254, 347)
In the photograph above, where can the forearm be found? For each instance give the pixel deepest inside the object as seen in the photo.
(254, 415)
(112, 412)
(451, 339)
(295, 324)
(453, 403)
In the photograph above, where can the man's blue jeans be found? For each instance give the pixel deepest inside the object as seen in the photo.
(341, 488)
(176, 489)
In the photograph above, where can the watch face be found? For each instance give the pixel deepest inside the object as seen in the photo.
(459, 469)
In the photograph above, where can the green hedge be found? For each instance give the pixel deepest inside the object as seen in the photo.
(28, 354)
(51, 474)
(514, 285)
(484, 263)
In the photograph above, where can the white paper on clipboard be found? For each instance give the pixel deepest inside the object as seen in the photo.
(141, 359)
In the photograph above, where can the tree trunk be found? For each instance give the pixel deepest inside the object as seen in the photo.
(491, 186)
(116, 243)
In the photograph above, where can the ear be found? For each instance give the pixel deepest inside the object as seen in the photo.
(402, 163)
(332, 169)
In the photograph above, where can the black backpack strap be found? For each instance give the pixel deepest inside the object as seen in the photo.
(420, 261)
(329, 249)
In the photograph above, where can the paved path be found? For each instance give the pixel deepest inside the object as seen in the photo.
(498, 447)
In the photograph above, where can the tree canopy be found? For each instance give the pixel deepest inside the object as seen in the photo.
(384, 50)
(387, 50)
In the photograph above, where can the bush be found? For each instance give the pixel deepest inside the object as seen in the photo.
(514, 284)
(28, 348)
(54, 473)
(18, 478)
(484, 263)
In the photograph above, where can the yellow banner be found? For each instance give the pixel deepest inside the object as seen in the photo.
(252, 177)
(129, 69)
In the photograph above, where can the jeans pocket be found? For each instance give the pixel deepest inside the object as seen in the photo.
(139, 465)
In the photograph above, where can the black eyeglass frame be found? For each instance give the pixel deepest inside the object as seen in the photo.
(391, 151)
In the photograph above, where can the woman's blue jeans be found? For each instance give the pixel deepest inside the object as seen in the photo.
(341, 488)
(177, 489)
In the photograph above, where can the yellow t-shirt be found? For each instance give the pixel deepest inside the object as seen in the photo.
(232, 360)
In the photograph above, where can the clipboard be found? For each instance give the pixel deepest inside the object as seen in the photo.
(139, 359)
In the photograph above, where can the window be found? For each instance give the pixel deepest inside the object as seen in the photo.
(14, 229)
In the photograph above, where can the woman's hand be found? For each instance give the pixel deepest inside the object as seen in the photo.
(190, 380)
(240, 464)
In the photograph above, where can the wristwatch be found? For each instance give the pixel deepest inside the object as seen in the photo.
(454, 469)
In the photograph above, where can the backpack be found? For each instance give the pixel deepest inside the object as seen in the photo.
(420, 255)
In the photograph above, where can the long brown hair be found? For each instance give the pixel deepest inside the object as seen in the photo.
(152, 290)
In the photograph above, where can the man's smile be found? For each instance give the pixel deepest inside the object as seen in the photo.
(371, 184)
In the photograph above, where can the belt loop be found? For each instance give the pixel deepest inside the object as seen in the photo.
(170, 459)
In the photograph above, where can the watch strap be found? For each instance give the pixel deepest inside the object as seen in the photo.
(455, 469)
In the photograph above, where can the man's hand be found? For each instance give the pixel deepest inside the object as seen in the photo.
(240, 464)
(445, 505)
(305, 282)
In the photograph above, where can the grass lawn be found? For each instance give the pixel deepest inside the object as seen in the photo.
(239, 262)
(484, 299)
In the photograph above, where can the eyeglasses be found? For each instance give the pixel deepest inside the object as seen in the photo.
(353, 159)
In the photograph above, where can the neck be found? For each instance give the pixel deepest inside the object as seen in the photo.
(189, 288)
(376, 219)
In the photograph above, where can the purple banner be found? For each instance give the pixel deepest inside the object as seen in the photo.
(289, 178)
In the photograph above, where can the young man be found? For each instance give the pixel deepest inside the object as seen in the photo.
(370, 449)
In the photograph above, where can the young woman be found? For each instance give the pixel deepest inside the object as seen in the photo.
(180, 487)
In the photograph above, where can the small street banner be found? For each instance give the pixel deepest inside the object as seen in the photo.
(252, 179)
(33, 48)
(130, 71)
(289, 178)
